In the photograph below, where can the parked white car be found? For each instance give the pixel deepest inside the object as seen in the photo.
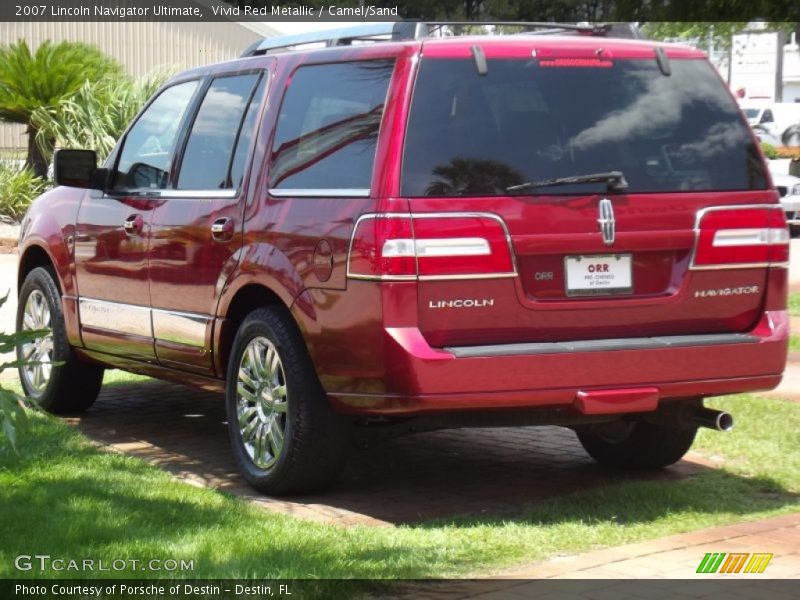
(772, 121)
(765, 137)
(788, 187)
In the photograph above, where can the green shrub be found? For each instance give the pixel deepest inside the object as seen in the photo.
(18, 188)
(770, 151)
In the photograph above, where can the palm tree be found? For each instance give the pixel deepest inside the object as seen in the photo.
(45, 78)
(467, 176)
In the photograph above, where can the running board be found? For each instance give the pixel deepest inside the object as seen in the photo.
(646, 343)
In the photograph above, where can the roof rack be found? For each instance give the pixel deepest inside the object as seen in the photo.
(415, 30)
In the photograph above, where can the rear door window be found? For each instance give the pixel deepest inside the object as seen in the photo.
(328, 126)
(471, 134)
(207, 159)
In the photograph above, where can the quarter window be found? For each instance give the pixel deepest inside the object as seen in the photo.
(206, 163)
(328, 126)
(146, 157)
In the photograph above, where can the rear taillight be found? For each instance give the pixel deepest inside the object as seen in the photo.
(430, 246)
(736, 237)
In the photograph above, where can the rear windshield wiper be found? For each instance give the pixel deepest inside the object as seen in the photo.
(615, 179)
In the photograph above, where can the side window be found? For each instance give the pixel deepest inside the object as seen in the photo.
(209, 149)
(767, 117)
(148, 149)
(328, 126)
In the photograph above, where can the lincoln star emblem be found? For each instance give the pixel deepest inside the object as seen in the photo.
(606, 221)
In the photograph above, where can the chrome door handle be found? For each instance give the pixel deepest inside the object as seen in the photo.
(133, 224)
(222, 229)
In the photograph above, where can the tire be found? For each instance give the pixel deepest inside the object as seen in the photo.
(70, 387)
(286, 438)
(641, 445)
(791, 136)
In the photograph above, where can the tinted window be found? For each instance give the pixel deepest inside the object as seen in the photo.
(246, 135)
(146, 157)
(328, 126)
(477, 135)
(767, 117)
(207, 158)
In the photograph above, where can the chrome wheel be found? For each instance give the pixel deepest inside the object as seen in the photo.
(262, 402)
(40, 351)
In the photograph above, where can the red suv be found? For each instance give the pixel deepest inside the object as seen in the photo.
(377, 238)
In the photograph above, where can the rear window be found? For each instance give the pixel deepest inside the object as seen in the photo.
(471, 134)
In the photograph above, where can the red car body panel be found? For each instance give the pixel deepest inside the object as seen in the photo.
(378, 346)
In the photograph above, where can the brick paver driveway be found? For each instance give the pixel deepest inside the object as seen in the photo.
(429, 475)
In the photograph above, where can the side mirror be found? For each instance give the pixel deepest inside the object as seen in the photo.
(78, 168)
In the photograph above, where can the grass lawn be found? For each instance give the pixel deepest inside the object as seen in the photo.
(63, 497)
(794, 304)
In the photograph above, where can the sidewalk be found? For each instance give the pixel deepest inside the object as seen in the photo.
(678, 556)
(659, 567)
(789, 388)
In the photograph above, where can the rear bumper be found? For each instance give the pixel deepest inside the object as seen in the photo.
(420, 379)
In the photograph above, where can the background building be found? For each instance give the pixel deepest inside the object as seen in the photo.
(791, 70)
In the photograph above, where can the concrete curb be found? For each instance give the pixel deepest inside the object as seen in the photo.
(8, 246)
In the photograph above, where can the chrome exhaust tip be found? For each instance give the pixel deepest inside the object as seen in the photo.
(713, 419)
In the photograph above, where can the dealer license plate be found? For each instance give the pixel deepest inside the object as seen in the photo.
(598, 275)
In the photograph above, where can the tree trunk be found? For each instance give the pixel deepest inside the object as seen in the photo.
(37, 160)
